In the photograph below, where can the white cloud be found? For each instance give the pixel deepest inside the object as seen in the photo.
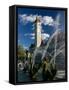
(32, 34)
(32, 37)
(29, 34)
(31, 18)
(45, 36)
(46, 20)
(27, 18)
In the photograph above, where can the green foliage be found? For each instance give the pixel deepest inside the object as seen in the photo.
(21, 52)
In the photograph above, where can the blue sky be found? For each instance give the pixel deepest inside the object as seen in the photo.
(26, 29)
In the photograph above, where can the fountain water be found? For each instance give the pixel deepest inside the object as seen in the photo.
(53, 54)
(56, 51)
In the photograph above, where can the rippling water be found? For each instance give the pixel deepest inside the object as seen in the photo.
(23, 77)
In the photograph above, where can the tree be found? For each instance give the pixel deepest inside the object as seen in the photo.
(31, 48)
(21, 52)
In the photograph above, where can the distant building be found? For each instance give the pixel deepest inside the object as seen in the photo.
(37, 32)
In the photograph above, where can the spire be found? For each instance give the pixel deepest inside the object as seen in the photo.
(37, 19)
